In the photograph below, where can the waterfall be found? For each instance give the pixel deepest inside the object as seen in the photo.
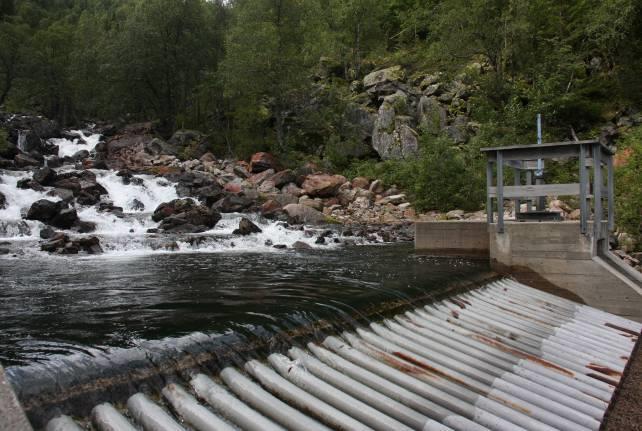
(84, 141)
(126, 232)
(22, 140)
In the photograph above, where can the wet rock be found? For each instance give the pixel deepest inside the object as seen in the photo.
(138, 205)
(87, 199)
(322, 185)
(232, 204)
(185, 216)
(53, 162)
(90, 245)
(320, 240)
(246, 227)
(209, 194)
(47, 232)
(44, 210)
(3, 201)
(4, 251)
(298, 213)
(85, 226)
(24, 160)
(80, 155)
(54, 243)
(280, 246)
(45, 176)
(260, 162)
(72, 184)
(65, 218)
(300, 245)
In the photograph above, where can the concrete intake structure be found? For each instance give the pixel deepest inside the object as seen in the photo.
(502, 357)
(543, 254)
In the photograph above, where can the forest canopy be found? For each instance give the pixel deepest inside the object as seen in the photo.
(287, 75)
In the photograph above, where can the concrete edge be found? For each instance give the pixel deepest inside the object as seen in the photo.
(12, 417)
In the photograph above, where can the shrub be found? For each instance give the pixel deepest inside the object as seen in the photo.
(443, 176)
(4, 140)
(628, 184)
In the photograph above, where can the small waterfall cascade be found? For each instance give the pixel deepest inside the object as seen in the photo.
(22, 140)
(126, 231)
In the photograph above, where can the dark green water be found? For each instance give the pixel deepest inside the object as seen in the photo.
(60, 306)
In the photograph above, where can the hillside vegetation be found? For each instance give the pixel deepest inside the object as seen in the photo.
(297, 78)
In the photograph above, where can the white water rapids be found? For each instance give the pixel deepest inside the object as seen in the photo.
(128, 235)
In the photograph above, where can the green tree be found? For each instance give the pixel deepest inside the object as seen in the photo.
(160, 52)
(13, 36)
(271, 46)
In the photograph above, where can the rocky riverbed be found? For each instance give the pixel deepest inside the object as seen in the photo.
(72, 189)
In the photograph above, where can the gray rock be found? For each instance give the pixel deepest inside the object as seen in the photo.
(246, 227)
(300, 245)
(299, 213)
(431, 115)
(391, 74)
(393, 137)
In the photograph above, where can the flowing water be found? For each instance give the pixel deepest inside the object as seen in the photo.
(55, 307)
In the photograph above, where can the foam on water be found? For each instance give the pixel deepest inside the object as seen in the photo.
(127, 235)
(146, 189)
(18, 201)
(85, 141)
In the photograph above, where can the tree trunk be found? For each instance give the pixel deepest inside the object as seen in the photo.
(280, 135)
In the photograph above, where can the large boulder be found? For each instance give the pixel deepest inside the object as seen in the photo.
(185, 216)
(432, 116)
(45, 176)
(322, 185)
(56, 214)
(24, 160)
(232, 203)
(246, 227)
(262, 162)
(391, 74)
(298, 213)
(393, 137)
(44, 210)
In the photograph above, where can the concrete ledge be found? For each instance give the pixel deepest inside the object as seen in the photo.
(452, 238)
(12, 417)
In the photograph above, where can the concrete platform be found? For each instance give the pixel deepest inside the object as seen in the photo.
(554, 252)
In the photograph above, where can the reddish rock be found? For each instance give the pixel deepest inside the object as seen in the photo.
(262, 162)
(270, 207)
(323, 185)
(284, 177)
(330, 202)
(232, 187)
